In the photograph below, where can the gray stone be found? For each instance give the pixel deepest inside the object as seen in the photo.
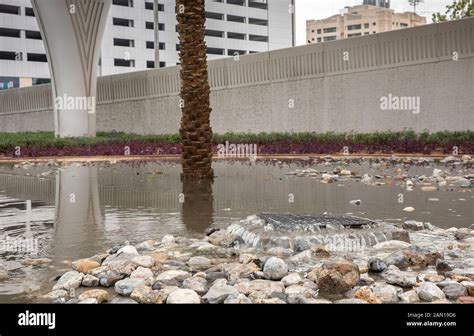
(413, 225)
(302, 256)
(197, 284)
(57, 295)
(123, 300)
(90, 281)
(443, 266)
(428, 291)
(351, 301)
(265, 287)
(291, 279)
(128, 249)
(398, 259)
(144, 261)
(180, 296)
(237, 299)
(386, 293)
(144, 274)
(168, 239)
(275, 268)
(199, 263)
(454, 291)
(219, 292)
(69, 280)
(394, 276)
(125, 287)
(172, 277)
(110, 278)
(409, 296)
(376, 265)
(89, 301)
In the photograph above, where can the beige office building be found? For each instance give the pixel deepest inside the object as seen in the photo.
(358, 21)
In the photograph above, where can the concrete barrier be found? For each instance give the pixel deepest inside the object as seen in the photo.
(335, 86)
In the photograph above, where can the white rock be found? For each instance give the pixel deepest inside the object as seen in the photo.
(168, 239)
(180, 296)
(128, 249)
(428, 291)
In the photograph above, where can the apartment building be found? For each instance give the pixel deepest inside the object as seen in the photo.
(232, 27)
(360, 20)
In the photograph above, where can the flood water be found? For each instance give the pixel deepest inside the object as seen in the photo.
(83, 209)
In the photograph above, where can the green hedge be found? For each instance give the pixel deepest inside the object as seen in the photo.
(47, 139)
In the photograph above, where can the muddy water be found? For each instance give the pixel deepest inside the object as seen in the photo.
(83, 209)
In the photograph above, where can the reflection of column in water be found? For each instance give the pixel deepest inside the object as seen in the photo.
(77, 214)
(197, 211)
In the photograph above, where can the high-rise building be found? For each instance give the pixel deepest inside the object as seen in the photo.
(378, 3)
(358, 21)
(232, 27)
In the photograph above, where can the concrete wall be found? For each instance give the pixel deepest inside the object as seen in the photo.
(254, 93)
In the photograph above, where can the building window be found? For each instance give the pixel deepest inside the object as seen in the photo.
(8, 9)
(374, 23)
(233, 52)
(150, 5)
(329, 38)
(150, 45)
(258, 38)
(236, 2)
(329, 30)
(31, 57)
(215, 51)
(119, 62)
(161, 46)
(235, 18)
(366, 33)
(214, 16)
(236, 36)
(366, 25)
(162, 64)
(318, 31)
(319, 39)
(354, 27)
(354, 35)
(125, 3)
(29, 11)
(151, 25)
(150, 64)
(33, 35)
(122, 22)
(214, 33)
(262, 4)
(11, 56)
(8, 32)
(403, 25)
(124, 43)
(258, 22)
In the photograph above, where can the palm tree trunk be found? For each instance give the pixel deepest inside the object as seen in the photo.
(195, 131)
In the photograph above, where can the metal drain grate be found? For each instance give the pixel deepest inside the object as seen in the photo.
(290, 221)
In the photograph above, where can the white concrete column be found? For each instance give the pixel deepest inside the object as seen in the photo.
(72, 33)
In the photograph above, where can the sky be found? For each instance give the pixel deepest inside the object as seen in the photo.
(320, 9)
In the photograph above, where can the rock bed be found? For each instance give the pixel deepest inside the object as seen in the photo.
(436, 266)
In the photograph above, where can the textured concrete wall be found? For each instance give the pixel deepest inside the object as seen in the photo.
(309, 88)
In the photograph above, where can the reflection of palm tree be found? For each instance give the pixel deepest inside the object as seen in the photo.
(195, 131)
(198, 207)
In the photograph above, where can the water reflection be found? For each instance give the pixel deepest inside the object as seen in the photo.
(197, 212)
(77, 212)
